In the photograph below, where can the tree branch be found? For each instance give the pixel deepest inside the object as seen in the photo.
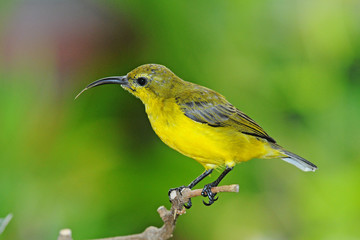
(169, 217)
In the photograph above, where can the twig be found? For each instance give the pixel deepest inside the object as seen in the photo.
(65, 234)
(169, 217)
(4, 222)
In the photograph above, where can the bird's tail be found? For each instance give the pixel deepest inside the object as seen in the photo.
(295, 160)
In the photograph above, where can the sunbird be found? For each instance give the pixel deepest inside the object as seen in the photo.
(200, 123)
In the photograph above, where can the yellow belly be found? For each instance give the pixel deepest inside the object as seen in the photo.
(210, 146)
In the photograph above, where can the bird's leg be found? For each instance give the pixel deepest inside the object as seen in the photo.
(191, 185)
(206, 192)
(199, 178)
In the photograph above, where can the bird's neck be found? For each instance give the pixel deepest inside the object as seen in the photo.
(159, 108)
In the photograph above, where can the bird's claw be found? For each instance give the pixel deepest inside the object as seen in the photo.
(187, 205)
(178, 189)
(206, 192)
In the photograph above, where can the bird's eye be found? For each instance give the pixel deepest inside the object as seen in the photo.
(141, 81)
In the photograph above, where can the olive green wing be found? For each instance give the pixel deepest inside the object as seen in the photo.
(209, 107)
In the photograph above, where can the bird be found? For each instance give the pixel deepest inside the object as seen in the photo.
(200, 123)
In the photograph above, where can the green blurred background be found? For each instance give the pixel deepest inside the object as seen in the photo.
(94, 165)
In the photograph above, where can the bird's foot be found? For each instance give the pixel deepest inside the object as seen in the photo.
(206, 192)
(174, 189)
(179, 189)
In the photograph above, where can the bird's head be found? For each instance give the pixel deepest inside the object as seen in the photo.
(149, 81)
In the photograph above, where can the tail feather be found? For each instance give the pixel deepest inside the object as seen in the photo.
(296, 160)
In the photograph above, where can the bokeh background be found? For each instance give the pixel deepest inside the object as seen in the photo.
(94, 165)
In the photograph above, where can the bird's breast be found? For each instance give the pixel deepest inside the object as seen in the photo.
(211, 146)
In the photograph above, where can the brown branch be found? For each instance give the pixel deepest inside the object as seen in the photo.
(169, 217)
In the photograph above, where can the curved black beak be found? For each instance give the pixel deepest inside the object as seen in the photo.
(122, 80)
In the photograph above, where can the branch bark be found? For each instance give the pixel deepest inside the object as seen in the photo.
(169, 217)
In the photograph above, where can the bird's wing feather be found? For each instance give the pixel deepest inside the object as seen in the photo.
(208, 107)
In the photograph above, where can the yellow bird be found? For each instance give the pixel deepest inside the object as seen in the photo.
(200, 123)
